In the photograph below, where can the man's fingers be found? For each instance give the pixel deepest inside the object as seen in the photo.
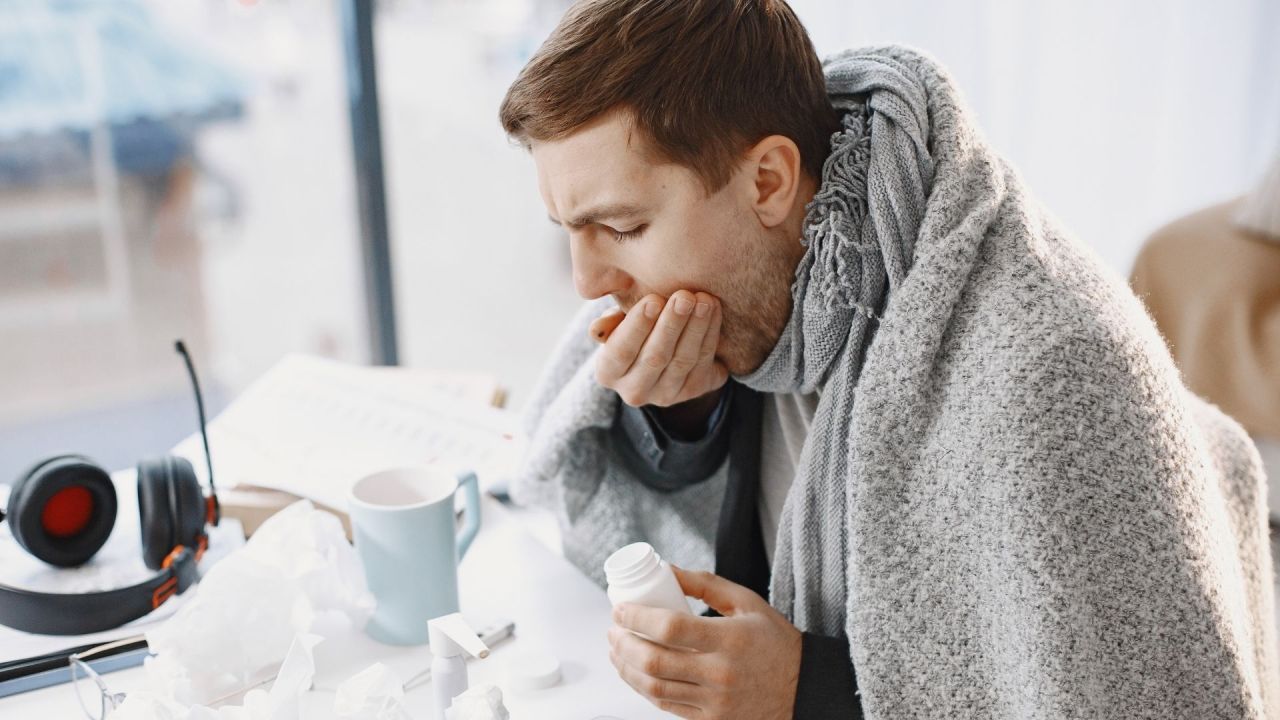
(672, 696)
(625, 342)
(658, 349)
(659, 661)
(724, 596)
(707, 352)
(712, 377)
(668, 627)
(709, 374)
(603, 326)
(687, 353)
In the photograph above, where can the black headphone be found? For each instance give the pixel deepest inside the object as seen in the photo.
(62, 511)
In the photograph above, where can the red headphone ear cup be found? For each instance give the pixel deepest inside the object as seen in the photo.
(170, 507)
(62, 510)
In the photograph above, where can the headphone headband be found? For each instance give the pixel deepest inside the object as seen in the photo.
(83, 613)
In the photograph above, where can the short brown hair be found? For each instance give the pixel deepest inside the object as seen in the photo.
(705, 79)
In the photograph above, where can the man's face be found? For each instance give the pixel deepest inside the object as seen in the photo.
(637, 226)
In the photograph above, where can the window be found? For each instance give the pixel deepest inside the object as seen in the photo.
(483, 281)
(166, 170)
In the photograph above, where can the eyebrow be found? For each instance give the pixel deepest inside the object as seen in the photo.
(610, 211)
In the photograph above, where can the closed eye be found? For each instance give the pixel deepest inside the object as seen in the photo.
(625, 235)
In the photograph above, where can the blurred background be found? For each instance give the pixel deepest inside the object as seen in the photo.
(188, 168)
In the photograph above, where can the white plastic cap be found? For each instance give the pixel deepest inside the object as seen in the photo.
(451, 636)
(532, 671)
(631, 562)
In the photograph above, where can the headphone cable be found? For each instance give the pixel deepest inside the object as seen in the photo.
(204, 434)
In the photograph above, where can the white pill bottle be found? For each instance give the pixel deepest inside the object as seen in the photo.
(637, 574)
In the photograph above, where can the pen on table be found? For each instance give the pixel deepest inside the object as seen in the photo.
(54, 668)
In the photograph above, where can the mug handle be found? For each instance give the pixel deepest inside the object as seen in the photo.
(471, 522)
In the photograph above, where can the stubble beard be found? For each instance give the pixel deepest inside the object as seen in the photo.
(758, 312)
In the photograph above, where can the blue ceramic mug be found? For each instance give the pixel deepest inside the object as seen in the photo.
(407, 537)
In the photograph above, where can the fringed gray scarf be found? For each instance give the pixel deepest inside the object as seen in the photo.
(860, 230)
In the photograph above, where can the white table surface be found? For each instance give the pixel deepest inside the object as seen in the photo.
(507, 573)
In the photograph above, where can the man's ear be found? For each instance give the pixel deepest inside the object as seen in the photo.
(774, 167)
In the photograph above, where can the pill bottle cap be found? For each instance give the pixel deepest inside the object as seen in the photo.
(630, 563)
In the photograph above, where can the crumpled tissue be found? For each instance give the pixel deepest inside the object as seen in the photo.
(374, 693)
(482, 702)
(282, 702)
(297, 574)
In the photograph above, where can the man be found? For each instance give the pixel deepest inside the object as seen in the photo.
(861, 374)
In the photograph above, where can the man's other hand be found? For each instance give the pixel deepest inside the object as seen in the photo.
(744, 665)
(664, 351)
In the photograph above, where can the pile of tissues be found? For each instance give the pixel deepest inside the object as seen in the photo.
(282, 702)
(482, 702)
(375, 693)
(372, 694)
(267, 603)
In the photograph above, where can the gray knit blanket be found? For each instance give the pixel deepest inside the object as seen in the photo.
(1007, 500)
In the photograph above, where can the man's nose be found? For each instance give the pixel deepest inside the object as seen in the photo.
(594, 274)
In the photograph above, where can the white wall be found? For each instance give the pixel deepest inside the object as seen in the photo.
(1120, 115)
